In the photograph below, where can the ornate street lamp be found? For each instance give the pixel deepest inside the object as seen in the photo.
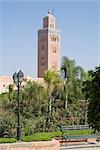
(18, 78)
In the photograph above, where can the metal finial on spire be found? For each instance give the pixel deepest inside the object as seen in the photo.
(49, 12)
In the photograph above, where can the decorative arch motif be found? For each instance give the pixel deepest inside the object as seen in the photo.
(54, 38)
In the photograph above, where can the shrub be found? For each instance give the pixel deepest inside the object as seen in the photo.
(8, 124)
(37, 137)
(42, 136)
(47, 136)
(7, 140)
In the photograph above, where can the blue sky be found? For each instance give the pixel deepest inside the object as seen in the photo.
(79, 22)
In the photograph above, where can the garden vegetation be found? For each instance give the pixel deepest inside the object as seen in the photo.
(58, 101)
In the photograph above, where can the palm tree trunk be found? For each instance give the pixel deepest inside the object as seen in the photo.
(66, 96)
(66, 102)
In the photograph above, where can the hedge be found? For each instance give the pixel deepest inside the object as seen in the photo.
(44, 136)
(7, 140)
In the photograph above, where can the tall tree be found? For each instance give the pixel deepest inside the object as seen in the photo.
(92, 93)
(51, 77)
(74, 77)
(33, 97)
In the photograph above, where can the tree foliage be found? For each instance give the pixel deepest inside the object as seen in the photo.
(40, 102)
(8, 124)
(75, 76)
(92, 94)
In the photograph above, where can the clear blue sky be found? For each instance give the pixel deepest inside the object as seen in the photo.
(79, 23)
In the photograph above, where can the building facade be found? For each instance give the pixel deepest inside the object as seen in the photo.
(48, 46)
(5, 81)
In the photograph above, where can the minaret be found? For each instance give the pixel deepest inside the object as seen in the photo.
(48, 46)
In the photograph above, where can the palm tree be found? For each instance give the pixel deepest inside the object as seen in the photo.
(51, 77)
(73, 77)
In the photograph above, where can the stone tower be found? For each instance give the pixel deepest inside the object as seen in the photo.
(48, 46)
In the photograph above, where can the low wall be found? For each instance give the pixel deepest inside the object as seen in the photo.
(43, 145)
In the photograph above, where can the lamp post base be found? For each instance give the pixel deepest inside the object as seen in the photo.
(19, 135)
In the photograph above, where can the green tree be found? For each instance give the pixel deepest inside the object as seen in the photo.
(92, 94)
(33, 106)
(33, 102)
(52, 78)
(74, 78)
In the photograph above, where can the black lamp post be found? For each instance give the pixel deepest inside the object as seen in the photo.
(18, 78)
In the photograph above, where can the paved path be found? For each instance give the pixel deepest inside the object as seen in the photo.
(84, 146)
(97, 148)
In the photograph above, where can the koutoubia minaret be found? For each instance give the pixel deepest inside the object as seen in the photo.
(48, 46)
